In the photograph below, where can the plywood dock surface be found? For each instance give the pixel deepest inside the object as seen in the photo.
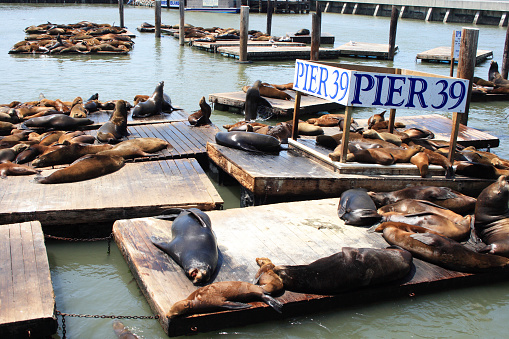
(365, 49)
(443, 53)
(136, 190)
(26, 294)
(292, 175)
(308, 104)
(101, 116)
(279, 53)
(287, 233)
(212, 46)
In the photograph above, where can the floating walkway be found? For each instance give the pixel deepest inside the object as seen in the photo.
(213, 46)
(443, 54)
(287, 233)
(365, 50)
(234, 103)
(136, 190)
(26, 294)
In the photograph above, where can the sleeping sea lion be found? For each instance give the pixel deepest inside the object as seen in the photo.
(78, 109)
(253, 100)
(356, 208)
(116, 128)
(66, 154)
(222, 295)
(248, 141)
(193, 244)
(346, 270)
(269, 281)
(57, 121)
(8, 168)
(138, 147)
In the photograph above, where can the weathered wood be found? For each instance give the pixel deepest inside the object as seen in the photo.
(443, 54)
(392, 33)
(121, 12)
(244, 28)
(315, 37)
(213, 46)
(296, 114)
(181, 23)
(279, 53)
(289, 234)
(505, 56)
(346, 133)
(157, 18)
(136, 190)
(365, 49)
(466, 63)
(26, 292)
(269, 17)
(325, 38)
(451, 72)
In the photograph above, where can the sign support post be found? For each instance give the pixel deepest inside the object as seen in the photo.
(346, 133)
(296, 112)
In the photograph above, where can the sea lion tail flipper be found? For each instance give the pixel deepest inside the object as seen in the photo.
(374, 228)
(275, 304)
(235, 305)
(170, 214)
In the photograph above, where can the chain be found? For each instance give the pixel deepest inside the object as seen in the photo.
(97, 316)
(82, 239)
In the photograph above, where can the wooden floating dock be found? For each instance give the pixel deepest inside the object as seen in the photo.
(278, 53)
(136, 190)
(234, 102)
(26, 294)
(101, 116)
(213, 46)
(287, 233)
(365, 49)
(443, 54)
(325, 38)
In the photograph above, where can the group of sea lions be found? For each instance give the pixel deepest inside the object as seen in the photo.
(83, 37)
(495, 84)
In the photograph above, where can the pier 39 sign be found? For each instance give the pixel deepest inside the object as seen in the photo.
(353, 87)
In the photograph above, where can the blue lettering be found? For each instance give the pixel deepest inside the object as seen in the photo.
(378, 93)
(358, 89)
(306, 78)
(312, 78)
(299, 75)
(412, 92)
(393, 89)
(323, 80)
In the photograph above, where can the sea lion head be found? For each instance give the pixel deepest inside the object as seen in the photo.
(179, 308)
(198, 275)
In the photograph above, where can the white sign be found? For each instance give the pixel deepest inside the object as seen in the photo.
(457, 44)
(384, 90)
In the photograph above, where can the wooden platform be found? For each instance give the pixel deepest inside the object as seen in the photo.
(234, 102)
(287, 233)
(279, 53)
(213, 46)
(365, 49)
(101, 116)
(325, 38)
(443, 54)
(26, 294)
(136, 190)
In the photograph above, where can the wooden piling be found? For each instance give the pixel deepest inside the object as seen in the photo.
(296, 109)
(451, 70)
(244, 27)
(505, 58)
(466, 63)
(269, 17)
(158, 18)
(315, 37)
(181, 23)
(392, 32)
(121, 11)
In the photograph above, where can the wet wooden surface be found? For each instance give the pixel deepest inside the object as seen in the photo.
(287, 233)
(443, 54)
(26, 294)
(364, 49)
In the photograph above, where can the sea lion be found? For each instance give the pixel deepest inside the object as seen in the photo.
(356, 208)
(495, 77)
(442, 196)
(327, 120)
(253, 100)
(305, 128)
(492, 217)
(440, 250)
(140, 98)
(303, 31)
(122, 332)
(116, 128)
(267, 90)
(87, 167)
(57, 121)
(193, 245)
(8, 168)
(478, 170)
(152, 106)
(229, 295)
(248, 141)
(6, 127)
(422, 162)
(240, 124)
(346, 270)
(377, 117)
(78, 109)
(201, 117)
(139, 147)
(369, 156)
(66, 154)
(9, 154)
(269, 281)
(440, 160)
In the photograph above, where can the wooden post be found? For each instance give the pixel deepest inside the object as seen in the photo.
(392, 118)
(392, 32)
(454, 136)
(346, 133)
(315, 37)
(451, 72)
(158, 18)
(466, 63)
(505, 58)
(181, 23)
(121, 11)
(244, 27)
(296, 111)
(269, 17)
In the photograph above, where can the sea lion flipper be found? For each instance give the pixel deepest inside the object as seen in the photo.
(170, 214)
(425, 238)
(275, 304)
(263, 102)
(234, 305)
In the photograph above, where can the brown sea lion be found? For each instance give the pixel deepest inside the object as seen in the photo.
(419, 133)
(201, 117)
(442, 196)
(9, 154)
(6, 127)
(389, 137)
(385, 125)
(78, 109)
(492, 217)
(305, 128)
(269, 91)
(113, 130)
(87, 167)
(404, 155)
(422, 162)
(442, 251)
(8, 168)
(378, 117)
(495, 77)
(234, 126)
(346, 270)
(269, 281)
(284, 86)
(122, 332)
(368, 156)
(140, 98)
(66, 154)
(222, 295)
(139, 147)
(440, 160)
(69, 135)
(51, 137)
(478, 170)
(327, 120)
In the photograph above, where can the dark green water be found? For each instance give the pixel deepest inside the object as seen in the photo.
(88, 281)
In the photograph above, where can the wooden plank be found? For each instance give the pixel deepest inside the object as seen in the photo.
(213, 46)
(365, 49)
(138, 189)
(26, 296)
(279, 53)
(443, 54)
(288, 233)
